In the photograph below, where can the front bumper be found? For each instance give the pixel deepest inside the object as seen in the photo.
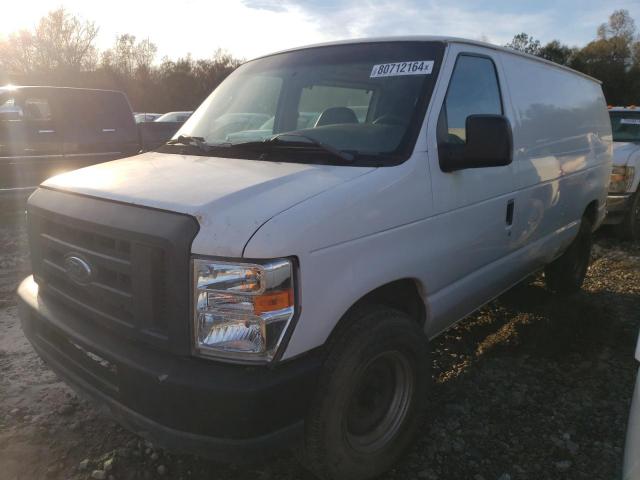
(617, 207)
(216, 410)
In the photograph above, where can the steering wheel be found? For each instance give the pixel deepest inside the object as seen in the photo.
(390, 119)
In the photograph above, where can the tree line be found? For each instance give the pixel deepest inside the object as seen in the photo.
(612, 57)
(61, 51)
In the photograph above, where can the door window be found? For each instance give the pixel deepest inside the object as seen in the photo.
(26, 127)
(36, 109)
(473, 89)
(10, 110)
(25, 109)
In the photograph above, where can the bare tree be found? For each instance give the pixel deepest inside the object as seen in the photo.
(145, 54)
(127, 56)
(63, 41)
(18, 53)
(620, 25)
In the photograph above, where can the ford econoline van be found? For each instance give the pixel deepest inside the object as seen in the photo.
(273, 275)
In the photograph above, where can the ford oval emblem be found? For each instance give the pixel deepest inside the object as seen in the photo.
(78, 269)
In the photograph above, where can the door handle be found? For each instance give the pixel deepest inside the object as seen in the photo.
(510, 208)
(108, 130)
(46, 131)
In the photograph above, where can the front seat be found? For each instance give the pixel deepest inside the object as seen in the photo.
(336, 115)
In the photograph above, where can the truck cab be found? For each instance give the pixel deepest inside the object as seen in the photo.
(45, 131)
(623, 203)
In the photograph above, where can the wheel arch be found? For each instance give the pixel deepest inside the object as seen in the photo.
(405, 295)
(591, 212)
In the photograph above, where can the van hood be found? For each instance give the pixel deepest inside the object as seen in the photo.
(230, 198)
(622, 152)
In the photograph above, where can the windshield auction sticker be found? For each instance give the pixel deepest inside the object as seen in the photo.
(630, 121)
(417, 67)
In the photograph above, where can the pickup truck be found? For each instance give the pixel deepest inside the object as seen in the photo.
(623, 202)
(45, 131)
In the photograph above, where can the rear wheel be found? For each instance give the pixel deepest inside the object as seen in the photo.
(566, 274)
(371, 396)
(629, 229)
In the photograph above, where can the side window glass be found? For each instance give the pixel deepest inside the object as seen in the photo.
(36, 109)
(10, 110)
(473, 89)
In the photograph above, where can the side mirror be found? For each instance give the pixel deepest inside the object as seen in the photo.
(489, 144)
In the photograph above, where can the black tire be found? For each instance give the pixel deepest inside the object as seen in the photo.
(371, 396)
(629, 229)
(566, 274)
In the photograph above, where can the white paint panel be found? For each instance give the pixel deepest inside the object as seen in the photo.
(230, 198)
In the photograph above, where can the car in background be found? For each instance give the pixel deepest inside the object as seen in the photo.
(631, 466)
(146, 117)
(623, 203)
(174, 117)
(157, 132)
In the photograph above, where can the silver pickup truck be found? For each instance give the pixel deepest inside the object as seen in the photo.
(623, 203)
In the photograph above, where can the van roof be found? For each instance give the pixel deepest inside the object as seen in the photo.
(435, 38)
(12, 88)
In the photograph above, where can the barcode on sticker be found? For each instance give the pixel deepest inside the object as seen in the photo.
(630, 121)
(417, 67)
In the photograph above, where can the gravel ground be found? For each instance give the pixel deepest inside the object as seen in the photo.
(530, 387)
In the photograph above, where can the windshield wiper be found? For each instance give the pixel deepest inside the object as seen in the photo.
(274, 140)
(347, 157)
(306, 140)
(190, 141)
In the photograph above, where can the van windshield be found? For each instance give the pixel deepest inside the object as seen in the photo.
(364, 100)
(625, 126)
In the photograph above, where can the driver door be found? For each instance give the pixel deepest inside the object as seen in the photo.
(474, 207)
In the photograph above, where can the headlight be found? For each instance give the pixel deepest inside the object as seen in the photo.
(621, 179)
(242, 310)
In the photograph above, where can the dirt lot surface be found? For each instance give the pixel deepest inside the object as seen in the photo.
(531, 387)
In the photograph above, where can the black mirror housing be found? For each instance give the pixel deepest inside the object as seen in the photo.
(489, 143)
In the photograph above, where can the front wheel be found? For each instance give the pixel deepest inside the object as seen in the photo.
(566, 274)
(371, 396)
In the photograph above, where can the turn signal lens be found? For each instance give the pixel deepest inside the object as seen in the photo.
(273, 301)
(621, 179)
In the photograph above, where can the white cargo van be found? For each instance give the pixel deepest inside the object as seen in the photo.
(273, 275)
(623, 204)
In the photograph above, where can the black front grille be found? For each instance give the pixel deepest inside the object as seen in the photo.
(110, 293)
(139, 259)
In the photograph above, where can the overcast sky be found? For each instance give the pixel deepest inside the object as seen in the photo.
(248, 28)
